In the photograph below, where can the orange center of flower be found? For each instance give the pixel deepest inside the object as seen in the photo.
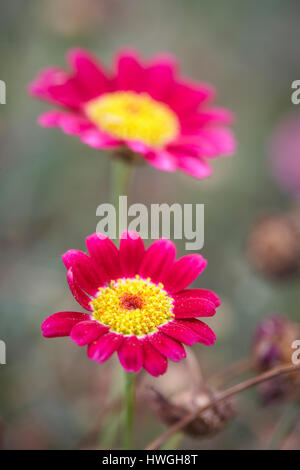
(133, 306)
(134, 116)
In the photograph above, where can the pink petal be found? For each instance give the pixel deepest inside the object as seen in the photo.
(81, 297)
(49, 119)
(55, 85)
(219, 141)
(88, 73)
(70, 123)
(179, 332)
(130, 73)
(61, 323)
(187, 96)
(138, 147)
(101, 349)
(154, 363)
(183, 272)
(194, 166)
(99, 140)
(132, 251)
(87, 274)
(194, 123)
(162, 160)
(103, 251)
(167, 346)
(88, 331)
(158, 259)
(198, 294)
(185, 307)
(160, 77)
(131, 354)
(205, 333)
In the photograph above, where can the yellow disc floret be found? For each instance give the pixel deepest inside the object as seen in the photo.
(133, 306)
(134, 116)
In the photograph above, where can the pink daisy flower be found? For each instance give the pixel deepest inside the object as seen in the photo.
(142, 106)
(137, 302)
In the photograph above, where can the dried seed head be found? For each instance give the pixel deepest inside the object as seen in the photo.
(207, 423)
(274, 245)
(272, 346)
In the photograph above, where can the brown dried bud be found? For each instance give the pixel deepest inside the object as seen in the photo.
(207, 423)
(274, 245)
(272, 347)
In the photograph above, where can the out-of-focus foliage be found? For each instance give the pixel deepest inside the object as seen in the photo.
(51, 395)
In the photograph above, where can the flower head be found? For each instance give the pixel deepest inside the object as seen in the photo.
(137, 302)
(144, 107)
(272, 347)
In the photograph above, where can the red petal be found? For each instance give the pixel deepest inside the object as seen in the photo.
(206, 334)
(158, 259)
(167, 346)
(103, 251)
(88, 331)
(131, 354)
(179, 332)
(101, 349)
(61, 323)
(132, 251)
(154, 362)
(183, 272)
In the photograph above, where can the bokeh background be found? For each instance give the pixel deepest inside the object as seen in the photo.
(51, 395)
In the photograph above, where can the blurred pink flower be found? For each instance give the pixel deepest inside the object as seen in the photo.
(284, 154)
(137, 301)
(142, 106)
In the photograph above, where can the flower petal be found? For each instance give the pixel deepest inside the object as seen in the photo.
(81, 297)
(101, 349)
(154, 362)
(87, 274)
(195, 122)
(179, 332)
(88, 73)
(131, 354)
(194, 166)
(183, 272)
(61, 323)
(98, 140)
(162, 160)
(105, 253)
(187, 96)
(55, 85)
(70, 123)
(219, 140)
(185, 307)
(132, 251)
(205, 333)
(88, 331)
(130, 73)
(160, 77)
(198, 294)
(167, 346)
(158, 259)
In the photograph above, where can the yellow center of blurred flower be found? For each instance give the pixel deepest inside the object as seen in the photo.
(131, 116)
(133, 306)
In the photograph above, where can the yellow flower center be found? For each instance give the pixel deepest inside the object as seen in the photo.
(134, 116)
(133, 306)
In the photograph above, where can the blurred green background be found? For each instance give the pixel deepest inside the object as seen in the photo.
(51, 395)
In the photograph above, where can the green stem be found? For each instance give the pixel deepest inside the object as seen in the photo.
(129, 398)
(121, 171)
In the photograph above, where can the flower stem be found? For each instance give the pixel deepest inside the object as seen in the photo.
(129, 398)
(120, 179)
